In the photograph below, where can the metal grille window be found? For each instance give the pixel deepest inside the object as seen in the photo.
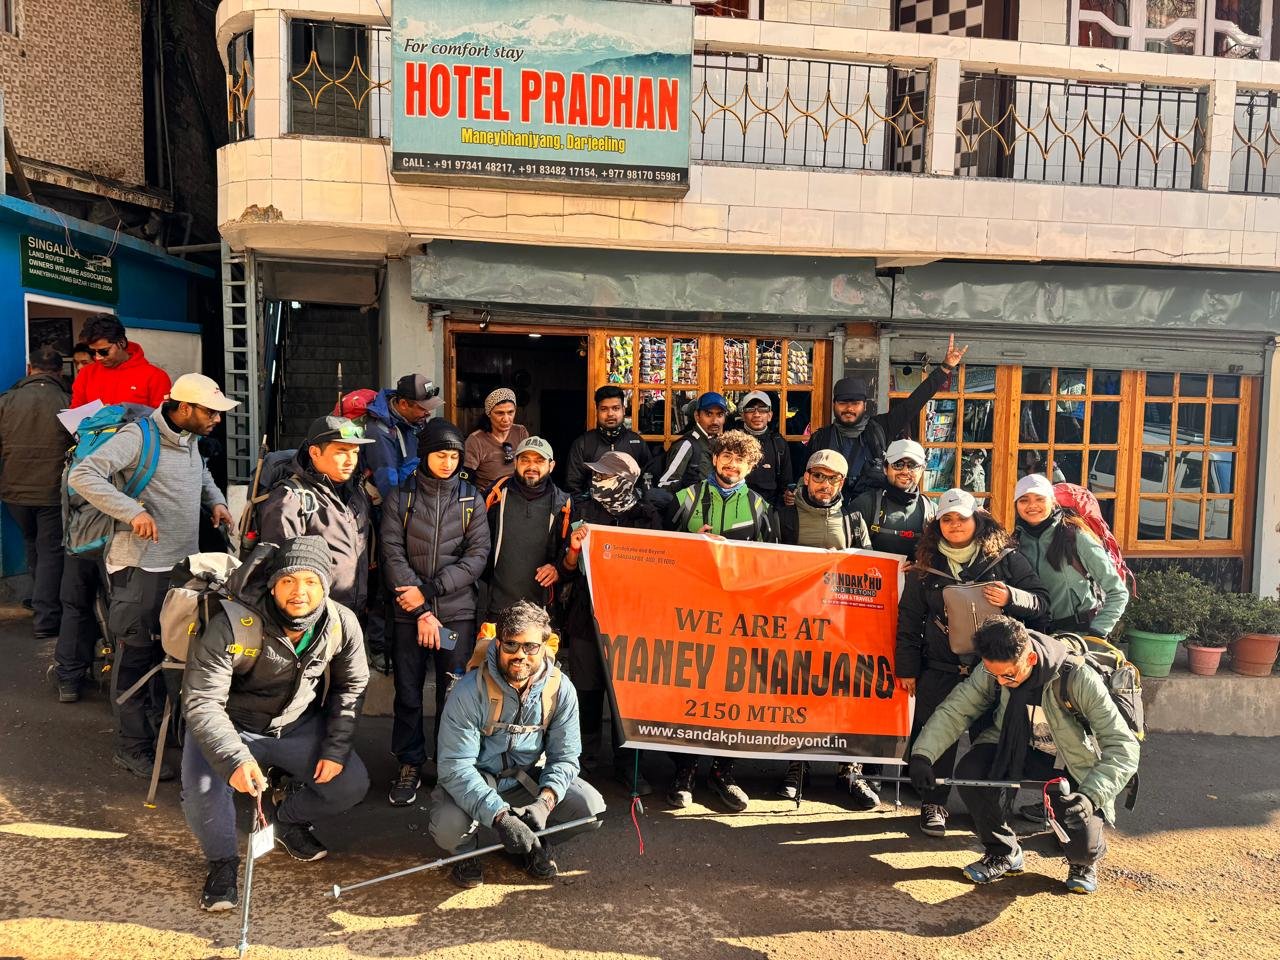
(1256, 142)
(240, 87)
(339, 79)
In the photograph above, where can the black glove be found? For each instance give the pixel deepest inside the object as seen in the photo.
(1076, 810)
(514, 833)
(920, 770)
(535, 814)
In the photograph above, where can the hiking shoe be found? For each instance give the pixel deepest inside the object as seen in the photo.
(299, 842)
(726, 788)
(632, 778)
(1082, 878)
(933, 820)
(792, 781)
(861, 795)
(468, 874)
(681, 793)
(993, 866)
(538, 864)
(139, 764)
(404, 788)
(70, 693)
(220, 891)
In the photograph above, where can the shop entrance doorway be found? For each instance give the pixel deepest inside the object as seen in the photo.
(548, 373)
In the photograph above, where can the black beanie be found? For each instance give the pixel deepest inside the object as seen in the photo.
(439, 435)
(302, 553)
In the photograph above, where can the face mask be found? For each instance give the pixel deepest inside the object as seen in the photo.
(615, 494)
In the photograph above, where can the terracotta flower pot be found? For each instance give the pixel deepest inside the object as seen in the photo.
(1254, 654)
(1153, 653)
(1204, 660)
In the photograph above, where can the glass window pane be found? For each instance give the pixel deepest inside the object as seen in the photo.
(1104, 421)
(1033, 421)
(905, 377)
(1152, 515)
(737, 361)
(979, 379)
(1223, 429)
(684, 361)
(800, 361)
(768, 361)
(1102, 472)
(1193, 385)
(1106, 383)
(1068, 466)
(1071, 383)
(940, 422)
(1217, 519)
(1188, 473)
(978, 418)
(653, 360)
(1037, 380)
(1186, 520)
(1191, 423)
(799, 413)
(626, 407)
(652, 416)
(1068, 421)
(939, 472)
(1108, 509)
(1032, 461)
(1222, 473)
(1226, 386)
(682, 409)
(621, 359)
(1156, 422)
(1159, 384)
(1155, 467)
(974, 471)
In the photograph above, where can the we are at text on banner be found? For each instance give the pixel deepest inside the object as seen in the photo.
(745, 649)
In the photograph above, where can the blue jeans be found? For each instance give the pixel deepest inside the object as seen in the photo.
(207, 798)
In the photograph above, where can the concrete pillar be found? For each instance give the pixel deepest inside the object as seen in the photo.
(410, 341)
(1266, 531)
(944, 116)
(270, 74)
(1219, 119)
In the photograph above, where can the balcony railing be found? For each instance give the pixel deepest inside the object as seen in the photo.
(339, 80)
(1256, 142)
(240, 87)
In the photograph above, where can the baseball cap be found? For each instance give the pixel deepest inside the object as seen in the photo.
(614, 463)
(712, 399)
(833, 460)
(958, 501)
(1036, 483)
(756, 396)
(333, 429)
(849, 389)
(538, 446)
(203, 392)
(416, 388)
(905, 450)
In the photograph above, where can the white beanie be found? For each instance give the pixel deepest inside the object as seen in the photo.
(1036, 483)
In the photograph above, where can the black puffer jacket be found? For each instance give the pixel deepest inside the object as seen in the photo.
(435, 536)
(273, 690)
(922, 617)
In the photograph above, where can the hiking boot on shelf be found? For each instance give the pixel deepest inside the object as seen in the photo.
(681, 793)
(726, 787)
(299, 842)
(220, 891)
(792, 780)
(404, 788)
(993, 866)
(467, 874)
(933, 820)
(861, 795)
(141, 763)
(1082, 878)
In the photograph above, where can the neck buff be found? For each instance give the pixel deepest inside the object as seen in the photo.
(1015, 731)
(958, 557)
(615, 494)
(1036, 529)
(534, 492)
(903, 498)
(726, 491)
(611, 433)
(300, 624)
(853, 430)
(755, 433)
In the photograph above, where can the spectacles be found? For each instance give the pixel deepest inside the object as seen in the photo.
(508, 453)
(515, 646)
(906, 465)
(1009, 677)
(101, 351)
(826, 479)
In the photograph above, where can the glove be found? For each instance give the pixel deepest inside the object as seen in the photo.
(514, 833)
(1076, 810)
(535, 814)
(920, 770)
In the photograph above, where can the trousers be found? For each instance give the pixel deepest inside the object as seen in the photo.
(454, 830)
(136, 598)
(83, 584)
(42, 536)
(409, 664)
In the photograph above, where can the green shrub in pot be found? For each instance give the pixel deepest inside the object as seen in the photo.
(1169, 602)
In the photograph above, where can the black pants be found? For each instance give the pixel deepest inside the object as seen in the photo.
(136, 597)
(42, 535)
(1085, 845)
(932, 688)
(83, 582)
(409, 663)
(590, 717)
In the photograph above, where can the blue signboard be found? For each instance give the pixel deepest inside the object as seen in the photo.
(593, 92)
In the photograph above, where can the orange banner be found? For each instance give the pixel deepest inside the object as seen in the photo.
(746, 649)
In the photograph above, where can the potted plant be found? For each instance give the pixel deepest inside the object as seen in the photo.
(1170, 606)
(1254, 653)
(1226, 618)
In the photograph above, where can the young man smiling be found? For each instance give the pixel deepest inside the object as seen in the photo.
(609, 434)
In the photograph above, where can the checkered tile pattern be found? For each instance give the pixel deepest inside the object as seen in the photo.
(952, 18)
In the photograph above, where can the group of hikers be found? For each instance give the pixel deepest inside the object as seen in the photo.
(477, 578)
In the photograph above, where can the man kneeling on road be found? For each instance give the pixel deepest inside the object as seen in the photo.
(488, 776)
(1035, 737)
(253, 698)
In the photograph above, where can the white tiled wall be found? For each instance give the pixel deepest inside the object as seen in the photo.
(1043, 21)
(868, 14)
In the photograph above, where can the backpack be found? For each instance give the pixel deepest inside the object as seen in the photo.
(878, 515)
(1079, 500)
(197, 589)
(493, 692)
(1121, 679)
(86, 530)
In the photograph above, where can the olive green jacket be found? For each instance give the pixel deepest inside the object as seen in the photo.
(1101, 764)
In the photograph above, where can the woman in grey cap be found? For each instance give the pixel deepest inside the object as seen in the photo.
(490, 450)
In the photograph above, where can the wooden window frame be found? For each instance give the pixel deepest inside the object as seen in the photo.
(598, 371)
(817, 387)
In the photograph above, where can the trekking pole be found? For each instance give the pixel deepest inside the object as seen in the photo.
(259, 836)
(338, 891)
(246, 519)
(993, 784)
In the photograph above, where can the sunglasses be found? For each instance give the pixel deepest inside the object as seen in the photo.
(515, 646)
(826, 479)
(508, 453)
(101, 351)
(906, 465)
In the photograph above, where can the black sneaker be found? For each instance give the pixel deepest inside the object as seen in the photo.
(861, 796)
(681, 793)
(538, 864)
(299, 842)
(140, 764)
(220, 891)
(792, 780)
(404, 788)
(70, 693)
(468, 874)
(726, 787)
(933, 820)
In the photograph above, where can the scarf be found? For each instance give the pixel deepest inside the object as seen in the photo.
(958, 557)
(611, 434)
(726, 492)
(852, 431)
(903, 498)
(616, 494)
(534, 492)
(1015, 731)
(301, 624)
(755, 433)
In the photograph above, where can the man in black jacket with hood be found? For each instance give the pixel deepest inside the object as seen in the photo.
(253, 697)
(610, 433)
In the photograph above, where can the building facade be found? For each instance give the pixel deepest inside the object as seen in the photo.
(1080, 192)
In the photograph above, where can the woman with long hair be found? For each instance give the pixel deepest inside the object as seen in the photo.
(1086, 593)
(962, 544)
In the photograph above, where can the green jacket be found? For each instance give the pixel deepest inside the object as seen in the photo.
(1072, 592)
(1101, 764)
(744, 515)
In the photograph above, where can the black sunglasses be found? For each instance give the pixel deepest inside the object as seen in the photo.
(101, 351)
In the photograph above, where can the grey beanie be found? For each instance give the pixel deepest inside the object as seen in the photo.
(302, 553)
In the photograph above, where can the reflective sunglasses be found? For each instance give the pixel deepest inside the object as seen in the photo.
(515, 646)
(826, 479)
(101, 351)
